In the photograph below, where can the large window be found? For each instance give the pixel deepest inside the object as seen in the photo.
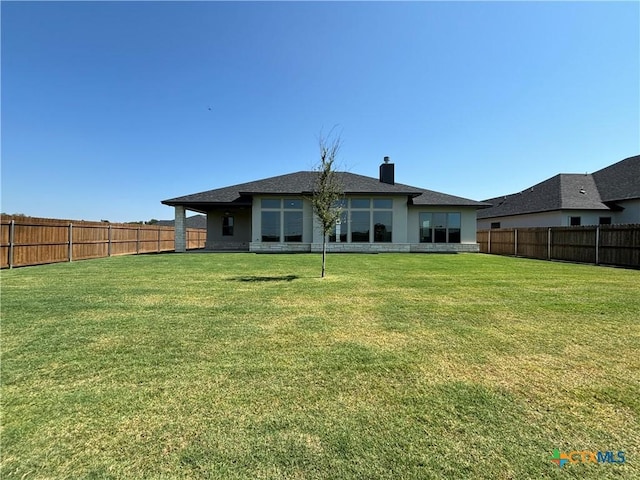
(382, 225)
(270, 226)
(453, 227)
(271, 203)
(360, 203)
(293, 226)
(292, 204)
(364, 220)
(440, 227)
(281, 220)
(385, 203)
(426, 233)
(382, 219)
(360, 225)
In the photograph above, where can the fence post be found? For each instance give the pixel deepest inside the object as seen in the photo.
(12, 240)
(70, 242)
(597, 244)
(515, 242)
(549, 244)
(158, 239)
(137, 240)
(489, 242)
(109, 241)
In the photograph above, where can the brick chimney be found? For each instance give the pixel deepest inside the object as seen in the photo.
(387, 172)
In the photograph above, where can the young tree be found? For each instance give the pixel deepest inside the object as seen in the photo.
(327, 191)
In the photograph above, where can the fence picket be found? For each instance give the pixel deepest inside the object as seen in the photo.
(70, 242)
(12, 236)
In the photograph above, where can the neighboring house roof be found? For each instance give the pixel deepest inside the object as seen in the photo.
(620, 181)
(569, 191)
(195, 221)
(303, 183)
(562, 192)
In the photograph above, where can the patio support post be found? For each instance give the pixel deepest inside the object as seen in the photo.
(180, 229)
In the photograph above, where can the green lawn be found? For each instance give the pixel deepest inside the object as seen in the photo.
(250, 366)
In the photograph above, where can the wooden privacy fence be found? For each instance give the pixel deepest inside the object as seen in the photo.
(599, 244)
(34, 241)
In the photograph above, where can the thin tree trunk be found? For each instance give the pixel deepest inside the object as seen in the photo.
(324, 255)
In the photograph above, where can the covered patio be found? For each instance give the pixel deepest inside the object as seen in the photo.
(228, 227)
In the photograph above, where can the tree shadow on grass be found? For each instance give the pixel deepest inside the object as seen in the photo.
(260, 278)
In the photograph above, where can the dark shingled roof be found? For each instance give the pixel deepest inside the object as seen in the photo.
(195, 221)
(429, 197)
(302, 183)
(619, 181)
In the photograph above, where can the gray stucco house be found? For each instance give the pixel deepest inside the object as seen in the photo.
(609, 196)
(378, 215)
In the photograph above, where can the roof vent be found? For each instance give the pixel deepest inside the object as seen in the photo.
(582, 190)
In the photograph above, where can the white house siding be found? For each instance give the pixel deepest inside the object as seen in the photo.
(468, 226)
(631, 212)
(308, 219)
(587, 217)
(544, 219)
(400, 220)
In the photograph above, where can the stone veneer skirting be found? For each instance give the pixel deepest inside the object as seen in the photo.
(227, 246)
(268, 247)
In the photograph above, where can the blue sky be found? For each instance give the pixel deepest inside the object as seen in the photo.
(110, 107)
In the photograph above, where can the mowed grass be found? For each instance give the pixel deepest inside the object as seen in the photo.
(242, 366)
